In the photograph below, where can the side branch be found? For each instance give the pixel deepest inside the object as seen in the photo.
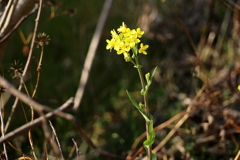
(25, 128)
(91, 54)
(40, 108)
(36, 106)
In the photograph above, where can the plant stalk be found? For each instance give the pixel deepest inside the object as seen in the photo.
(145, 104)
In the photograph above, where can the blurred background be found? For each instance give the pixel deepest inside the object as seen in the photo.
(192, 42)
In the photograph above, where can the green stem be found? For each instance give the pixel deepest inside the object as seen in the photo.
(145, 101)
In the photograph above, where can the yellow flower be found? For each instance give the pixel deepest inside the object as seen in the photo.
(110, 44)
(114, 34)
(127, 56)
(125, 40)
(123, 28)
(139, 33)
(143, 49)
(239, 87)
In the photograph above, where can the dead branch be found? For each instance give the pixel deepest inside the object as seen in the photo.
(40, 108)
(91, 54)
(13, 14)
(23, 129)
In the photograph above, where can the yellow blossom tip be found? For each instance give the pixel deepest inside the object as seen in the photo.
(124, 40)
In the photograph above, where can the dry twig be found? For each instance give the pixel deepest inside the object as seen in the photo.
(77, 150)
(91, 53)
(2, 130)
(40, 108)
(58, 143)
(27, 63)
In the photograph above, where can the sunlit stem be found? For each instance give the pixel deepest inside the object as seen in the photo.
(138, 66)
(2, 125)
(32, 118)
(40, 60)
(38, 70)
(25, 87)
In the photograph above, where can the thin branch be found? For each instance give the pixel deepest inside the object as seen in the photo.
(24, 155)
(18, 9)
(9, 16)
(49, 138)
(40, 108)
(25, 70)
(23, 129)
(36, 106)
(33, 38)
(5, 16)
(17, 24)
(27, 63)
(237, 156)
(91, 54)
(77, 150)
(56, 137)
(2, 128)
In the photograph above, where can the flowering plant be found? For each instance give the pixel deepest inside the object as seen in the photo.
(123, 42)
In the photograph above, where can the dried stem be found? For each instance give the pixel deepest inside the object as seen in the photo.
(7, 35)
(27, 63)
(77, 150)
(56, 137)
(32, 117)
(38, 70)
(24, 155)
(40, 108)
(49, 137)
(237, 156)
(7, 14)
(33, 38)
(2, 128)
(91, 53)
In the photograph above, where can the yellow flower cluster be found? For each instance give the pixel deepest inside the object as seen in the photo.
(125, 40)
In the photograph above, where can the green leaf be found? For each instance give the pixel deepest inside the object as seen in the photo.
(154, 157)
(151, 138)
(149, 81)
(135, 52)
(147, 76)
(135, 49)
(153, 73)
(151, 135)
(138, 107)
(138, 66)
(142, 91)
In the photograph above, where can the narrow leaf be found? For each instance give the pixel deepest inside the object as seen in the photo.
(151, 135)
(153, 72)
(151, 138)
(138, 107)
(149, 81)
(154, 157)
